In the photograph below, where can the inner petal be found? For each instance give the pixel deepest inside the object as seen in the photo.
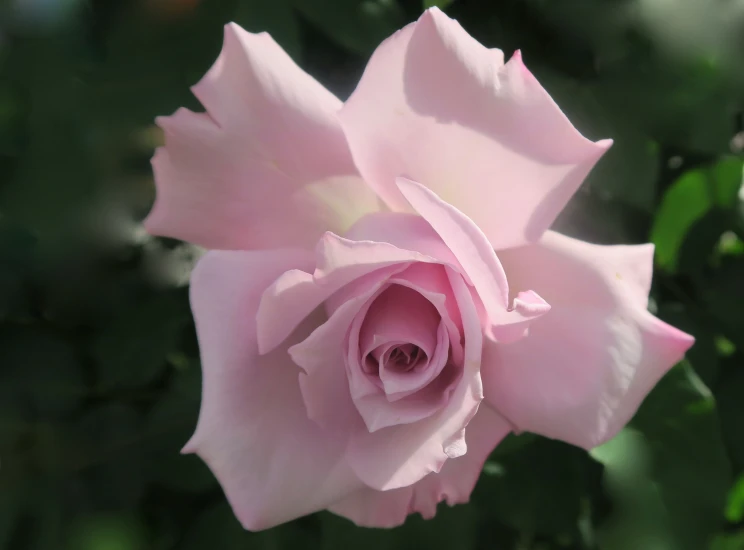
(401, 334)
(401, 358)
(415, 371)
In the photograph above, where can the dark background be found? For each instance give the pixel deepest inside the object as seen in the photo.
(99, 368)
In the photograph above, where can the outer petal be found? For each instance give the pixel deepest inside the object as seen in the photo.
(398, 456)
(436, 106)
(266, 166)
(586, 366)
(453, 484)
(273, 463)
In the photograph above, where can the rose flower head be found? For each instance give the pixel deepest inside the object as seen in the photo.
(382, 301)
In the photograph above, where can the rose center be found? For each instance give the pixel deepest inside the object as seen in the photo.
(405, 358)
(398, 340)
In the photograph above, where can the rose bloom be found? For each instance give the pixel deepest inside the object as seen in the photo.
(383, 301)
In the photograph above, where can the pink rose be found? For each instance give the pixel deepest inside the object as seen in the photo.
(365, 355)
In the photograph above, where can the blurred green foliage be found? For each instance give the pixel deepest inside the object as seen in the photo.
(99, 369)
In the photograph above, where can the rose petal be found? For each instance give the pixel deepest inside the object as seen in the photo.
(398, 456)
(436, 106)
(322, 357)
(585, 367)
(371, 401)
(273, 463)
(453, 484)
(477, 258)
(341, 261)
(431, 281)
(229, 179)
(402, 315)
(406, 231)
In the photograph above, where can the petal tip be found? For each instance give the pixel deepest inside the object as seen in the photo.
(190, 447)
(433, 11)
(263, 343)
(530, 304)
(263, 340)
(604, 144)
(686, 341)
(677, 341)
(234, 30)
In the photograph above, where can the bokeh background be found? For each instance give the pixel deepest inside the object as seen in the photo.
(99, 367)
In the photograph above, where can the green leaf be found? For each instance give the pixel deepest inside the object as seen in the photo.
(697, 199)
(727, 180)
(686, 201)
(357, 25)
(276, 18)
(735, 506)
(667, 472)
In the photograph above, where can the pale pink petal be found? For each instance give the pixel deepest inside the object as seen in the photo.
(339, 262)
(398, 385)
(619, 272)
(527, 306)
(367, 392)
(328, 372)
(406, 231)
(266, 166)
(477, 258)
(398, 456)
(402, 316)
(586, 366)
(272, 461)
(431, 281)
(322, 357)
(453, 484)
(379, 412)
(436, 106)
(295, 294)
